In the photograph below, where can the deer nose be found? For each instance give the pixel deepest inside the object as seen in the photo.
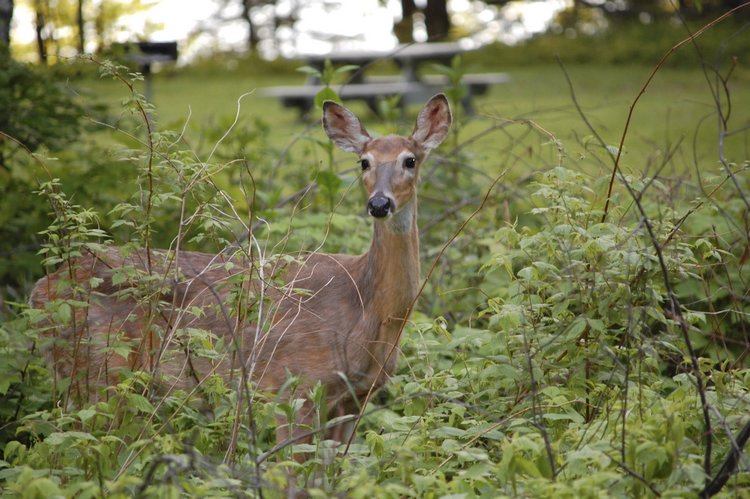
(379, 206)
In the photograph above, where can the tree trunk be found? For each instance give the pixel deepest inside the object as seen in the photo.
(6, 15)
(437, 20)
(404, 29)
(41, 42)
(252, 30)
(80, 23)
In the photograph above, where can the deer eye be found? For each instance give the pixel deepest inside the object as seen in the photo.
(364, 163)
(410, 162)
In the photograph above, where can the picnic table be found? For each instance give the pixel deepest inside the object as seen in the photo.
(412, 85)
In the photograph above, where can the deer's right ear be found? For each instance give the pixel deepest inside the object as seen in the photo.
(343, 128)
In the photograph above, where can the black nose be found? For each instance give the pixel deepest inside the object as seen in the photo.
(379, 206)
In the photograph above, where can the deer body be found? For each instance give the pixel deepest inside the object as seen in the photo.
(341, 330)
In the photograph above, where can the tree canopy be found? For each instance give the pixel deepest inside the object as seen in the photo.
(67, 27)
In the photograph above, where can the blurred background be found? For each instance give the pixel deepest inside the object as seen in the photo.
(47, 30)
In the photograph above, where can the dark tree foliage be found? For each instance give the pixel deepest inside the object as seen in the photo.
(6, 15)
(36, 112)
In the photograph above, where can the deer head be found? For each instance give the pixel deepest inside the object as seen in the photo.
(390, 164)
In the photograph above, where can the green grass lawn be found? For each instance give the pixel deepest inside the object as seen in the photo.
(674, 123)
(677, 107)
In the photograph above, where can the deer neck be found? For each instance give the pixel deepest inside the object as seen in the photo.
(392, 265)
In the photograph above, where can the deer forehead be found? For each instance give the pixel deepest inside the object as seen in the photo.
(390, 148)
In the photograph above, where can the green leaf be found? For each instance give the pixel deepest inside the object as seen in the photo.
(527, 466)
(140, 403)
(449, 431)
(118, 278)
(14, 449)
(64, 313)
(570, 416)
(346, 68)
(326, 94)
(577, 327)
(59, 438)
(376, 443)
(4, 385)
(86, 414)
(309, 70)
(478, 470)
(527, 273)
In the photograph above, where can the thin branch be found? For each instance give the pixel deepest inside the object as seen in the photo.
(675, 307)
(616, 166)
(730, 463)
(639, 477)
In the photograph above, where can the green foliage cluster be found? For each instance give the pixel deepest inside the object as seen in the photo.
(567, 390)
(40, 113)
(36, 112)
(546, 358)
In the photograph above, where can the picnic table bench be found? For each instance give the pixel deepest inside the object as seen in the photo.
(410, 85)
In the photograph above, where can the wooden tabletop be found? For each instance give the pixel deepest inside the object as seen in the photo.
(410, 52)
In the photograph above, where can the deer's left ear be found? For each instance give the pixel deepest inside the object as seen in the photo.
(344, 128)
(433, 123)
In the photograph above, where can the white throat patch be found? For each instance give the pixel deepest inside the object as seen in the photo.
(401, 222)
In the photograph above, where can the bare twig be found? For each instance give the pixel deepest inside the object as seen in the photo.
(672, 50)
(638, 477)
(674, 308)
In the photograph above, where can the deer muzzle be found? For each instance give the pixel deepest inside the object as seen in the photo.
(380, 206)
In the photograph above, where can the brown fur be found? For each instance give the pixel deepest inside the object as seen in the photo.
(334, 319)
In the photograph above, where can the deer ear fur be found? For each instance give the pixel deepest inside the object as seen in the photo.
(433, 123)
(344, 128)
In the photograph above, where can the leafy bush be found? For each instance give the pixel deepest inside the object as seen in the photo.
(580, 381)
(37, 109)
(40, 115)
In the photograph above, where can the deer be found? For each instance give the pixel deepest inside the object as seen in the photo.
(336, 319)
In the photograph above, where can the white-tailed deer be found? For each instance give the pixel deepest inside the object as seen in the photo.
(333, 319)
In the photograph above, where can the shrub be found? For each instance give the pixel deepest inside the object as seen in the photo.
(39, 114)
